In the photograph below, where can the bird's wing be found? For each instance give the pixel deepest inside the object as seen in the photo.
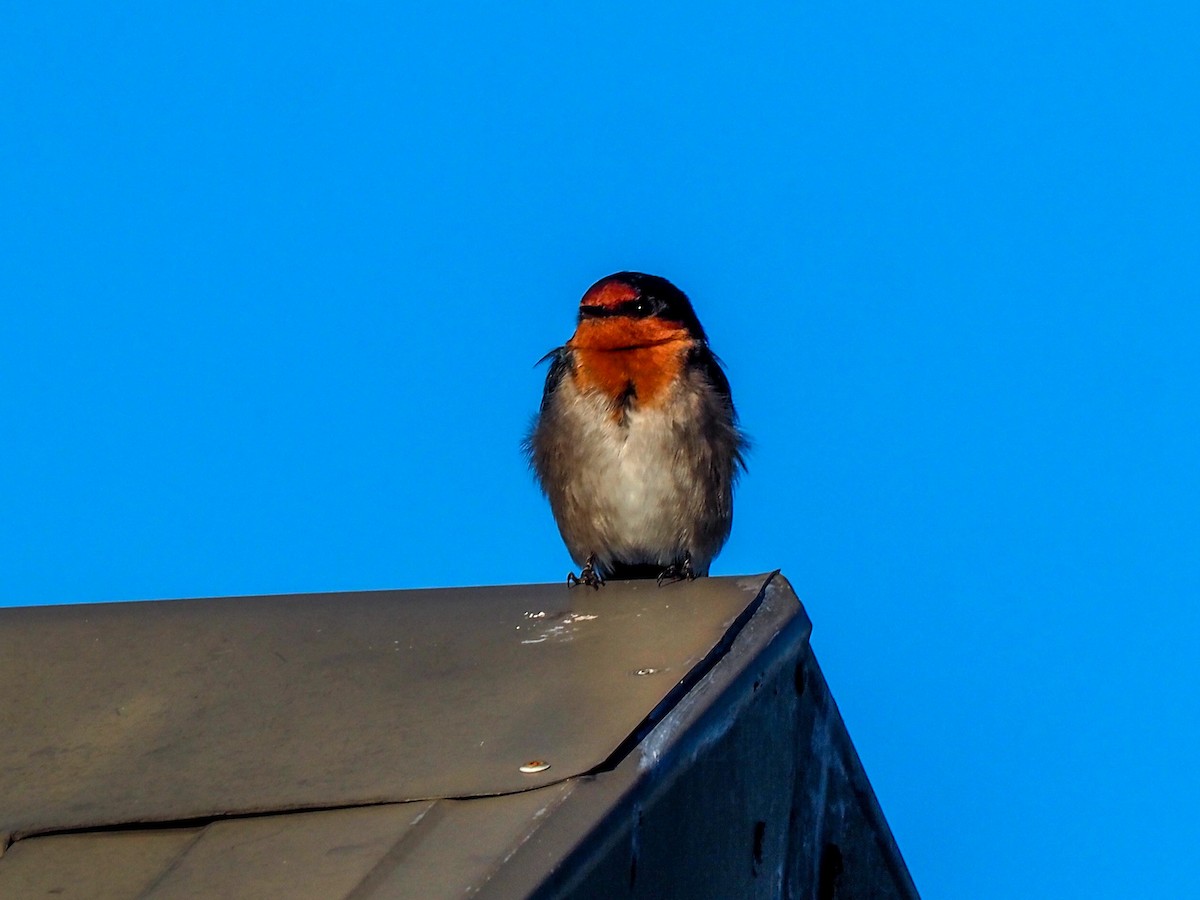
(560, 365)
(713, 370)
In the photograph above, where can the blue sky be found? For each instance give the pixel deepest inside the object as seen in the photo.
(276, 277)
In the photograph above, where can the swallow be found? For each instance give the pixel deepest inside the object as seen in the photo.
(636, 444)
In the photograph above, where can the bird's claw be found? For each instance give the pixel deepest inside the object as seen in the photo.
(587, 576)
(681, 571)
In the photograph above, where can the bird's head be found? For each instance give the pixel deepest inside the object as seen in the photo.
(631, 310)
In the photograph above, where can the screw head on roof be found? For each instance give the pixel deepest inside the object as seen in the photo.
(534, 766)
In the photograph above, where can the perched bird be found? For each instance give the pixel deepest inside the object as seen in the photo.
(636, 444)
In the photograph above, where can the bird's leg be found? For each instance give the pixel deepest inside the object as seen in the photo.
(587, 576)
(681, 571)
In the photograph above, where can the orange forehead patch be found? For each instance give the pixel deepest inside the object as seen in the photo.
(609, 294)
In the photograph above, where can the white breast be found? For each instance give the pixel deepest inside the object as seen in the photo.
(641, 490)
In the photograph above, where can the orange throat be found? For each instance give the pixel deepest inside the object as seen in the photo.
(629, 358)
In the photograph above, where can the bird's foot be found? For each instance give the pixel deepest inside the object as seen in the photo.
(681, 571)
(587, 576)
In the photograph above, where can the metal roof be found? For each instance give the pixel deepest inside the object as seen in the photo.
(359, 744)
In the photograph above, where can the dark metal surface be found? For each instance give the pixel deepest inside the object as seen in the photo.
(750, 788)
(152, 712)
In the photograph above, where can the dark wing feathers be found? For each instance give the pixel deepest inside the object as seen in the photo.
(560, 365)
(712, 369)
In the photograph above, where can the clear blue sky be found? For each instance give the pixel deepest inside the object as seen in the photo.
(275, 277)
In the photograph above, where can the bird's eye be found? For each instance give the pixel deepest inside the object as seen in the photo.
(637, 308)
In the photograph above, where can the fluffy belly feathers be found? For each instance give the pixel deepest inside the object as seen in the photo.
(637, 485)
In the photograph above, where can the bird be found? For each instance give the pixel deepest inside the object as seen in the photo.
(636, 444)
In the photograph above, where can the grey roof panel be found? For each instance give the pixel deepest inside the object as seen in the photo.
(298, 856)
(458, 847)
(151, 712)
(428, 849)
(113, 865)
